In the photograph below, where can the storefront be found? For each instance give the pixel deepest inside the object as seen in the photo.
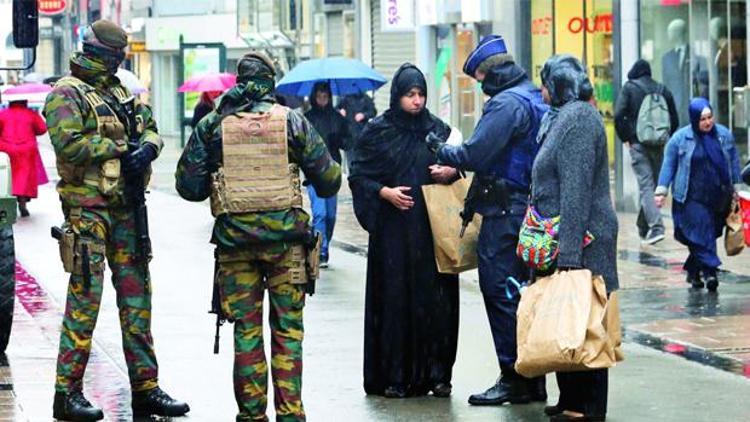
(583, 28)
(699, 48)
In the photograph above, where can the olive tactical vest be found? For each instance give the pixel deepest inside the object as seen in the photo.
(105, 176)
(256, 174)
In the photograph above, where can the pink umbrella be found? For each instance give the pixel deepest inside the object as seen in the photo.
(209, 82)
(32, 88)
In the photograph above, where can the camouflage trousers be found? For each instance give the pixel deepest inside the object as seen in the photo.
(243, 276)
(110, 232)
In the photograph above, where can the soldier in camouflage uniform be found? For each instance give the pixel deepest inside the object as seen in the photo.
(87, 126)
(246, 156)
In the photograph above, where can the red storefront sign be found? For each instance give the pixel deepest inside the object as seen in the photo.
(51, 7)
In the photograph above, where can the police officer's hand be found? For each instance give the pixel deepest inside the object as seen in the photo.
(397, 197)
(434, 142)
(137, 161)
(442, 174)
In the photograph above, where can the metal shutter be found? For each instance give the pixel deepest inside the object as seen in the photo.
(389, 51)
(335, 28)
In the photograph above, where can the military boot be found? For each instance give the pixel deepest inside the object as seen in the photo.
(157, 402)
(74, 407)
(509, 388)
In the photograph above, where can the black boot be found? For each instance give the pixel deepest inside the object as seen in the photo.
(538, 389)
(509, 388)
(695, 280)
(74, 407)
(712, 282)
(157, 402)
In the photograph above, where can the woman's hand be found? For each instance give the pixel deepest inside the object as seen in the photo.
(442, 174)
(397, 197)
(659, 200)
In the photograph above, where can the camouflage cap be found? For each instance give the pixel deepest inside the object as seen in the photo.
(255, 63)
(109, 34)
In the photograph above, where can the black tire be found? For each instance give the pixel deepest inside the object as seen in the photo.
(7, 284)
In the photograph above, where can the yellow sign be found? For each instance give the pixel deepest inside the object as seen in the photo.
(137, 46)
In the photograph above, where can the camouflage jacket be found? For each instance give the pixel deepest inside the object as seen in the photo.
(306, 148)
(75, 135)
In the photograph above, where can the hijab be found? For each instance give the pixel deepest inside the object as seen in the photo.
(566, 81)
(710, 139)
(407, 77)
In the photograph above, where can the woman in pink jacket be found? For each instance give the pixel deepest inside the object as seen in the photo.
(19, 127)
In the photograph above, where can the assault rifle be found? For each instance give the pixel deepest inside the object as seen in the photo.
(472, 196)
(216, 304)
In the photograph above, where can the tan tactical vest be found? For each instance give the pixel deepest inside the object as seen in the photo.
(105, 176)
(256, 174)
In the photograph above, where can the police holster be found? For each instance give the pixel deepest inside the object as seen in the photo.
(494, 192)
(313, 244)
(75, 253)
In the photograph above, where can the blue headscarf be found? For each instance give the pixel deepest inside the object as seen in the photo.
(710, 139)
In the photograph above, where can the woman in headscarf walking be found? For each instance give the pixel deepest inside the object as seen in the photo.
(701, 165)
(411, 310)
(19, 127)
(334, 129)
(205, 105)
(570, 179)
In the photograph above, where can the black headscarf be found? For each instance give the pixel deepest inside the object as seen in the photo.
(389, 144)
(566, 80)
(640, 68)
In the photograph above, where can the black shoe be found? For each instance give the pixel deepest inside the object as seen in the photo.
(552, 410)
(157, 402)
(395, 392)
(712, 282)
(695, 281)
(24, 212)
(513, 390)
(538, 389)
(442, 389)
(323, 261)
(74, 407)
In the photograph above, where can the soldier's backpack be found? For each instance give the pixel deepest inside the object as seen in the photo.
(653, 124)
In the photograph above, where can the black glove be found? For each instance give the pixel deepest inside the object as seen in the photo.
(137, 161)
(434, 142)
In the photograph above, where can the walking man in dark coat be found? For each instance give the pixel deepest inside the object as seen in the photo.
(501, 152)
(645, 159)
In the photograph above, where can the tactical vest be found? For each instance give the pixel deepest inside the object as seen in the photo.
(515, 165)
(256, 174)
(105, 176)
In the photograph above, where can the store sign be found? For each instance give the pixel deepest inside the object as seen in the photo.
(601, 24)
(396, 15)
(51, 7)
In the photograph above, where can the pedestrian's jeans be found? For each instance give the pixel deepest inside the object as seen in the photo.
(243, 277)
(115, 230)
(496, 248)
(646, 163)
(324, 217)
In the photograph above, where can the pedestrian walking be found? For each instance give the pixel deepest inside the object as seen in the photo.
(19, 127)
(570, 179)
(358, 109)
(205, 105)
(701, 166)
(334, 130)
(89, 127)
(252, 149)
(411, 310)
(500, 152)
(645, 118)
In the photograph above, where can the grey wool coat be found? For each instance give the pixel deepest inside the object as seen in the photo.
(570, 178)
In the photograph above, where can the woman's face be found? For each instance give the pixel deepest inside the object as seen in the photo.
(707, 122)
(413, 101)
(322, 98)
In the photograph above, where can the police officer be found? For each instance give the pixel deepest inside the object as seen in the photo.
(89, 127)
(501, 152)
(246, 156)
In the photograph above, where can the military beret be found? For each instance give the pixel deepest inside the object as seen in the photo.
(488, 47)
(110, 34)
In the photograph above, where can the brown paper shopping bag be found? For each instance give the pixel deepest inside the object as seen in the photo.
(734, 235)
(453, 254)
(563, 325)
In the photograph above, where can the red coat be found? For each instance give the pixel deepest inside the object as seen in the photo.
(19, 127)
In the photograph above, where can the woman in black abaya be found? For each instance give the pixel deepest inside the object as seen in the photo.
(411, 310)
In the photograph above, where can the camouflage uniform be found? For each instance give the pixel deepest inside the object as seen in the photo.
(261, 250)
(103, 222)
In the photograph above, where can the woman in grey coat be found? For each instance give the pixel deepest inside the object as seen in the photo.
(570, 178)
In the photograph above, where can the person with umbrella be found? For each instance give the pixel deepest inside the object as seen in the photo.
(205, 105)
(358, 109)
(334, 130)
(19, 127)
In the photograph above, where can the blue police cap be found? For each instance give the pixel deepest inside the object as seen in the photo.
(488, 46)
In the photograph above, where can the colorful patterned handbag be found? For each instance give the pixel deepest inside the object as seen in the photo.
(537, 240)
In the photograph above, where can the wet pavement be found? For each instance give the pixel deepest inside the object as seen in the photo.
(658, 310)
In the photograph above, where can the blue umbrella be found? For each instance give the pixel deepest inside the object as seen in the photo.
(345, 76)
